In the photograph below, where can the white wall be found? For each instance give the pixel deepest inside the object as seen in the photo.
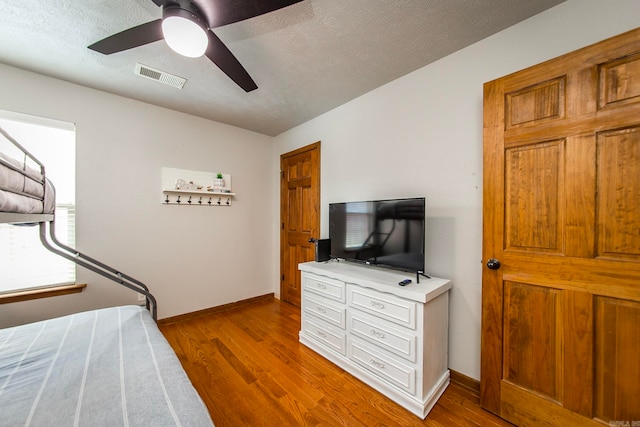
(191, 257)
(421, 135)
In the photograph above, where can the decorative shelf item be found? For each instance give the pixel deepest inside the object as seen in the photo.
(195, 188)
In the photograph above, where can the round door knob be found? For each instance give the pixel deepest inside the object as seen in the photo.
(493, 264)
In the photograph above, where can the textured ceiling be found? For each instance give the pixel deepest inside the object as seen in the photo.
(307, 58)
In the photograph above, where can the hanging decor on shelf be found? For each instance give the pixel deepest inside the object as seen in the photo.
(195, 188)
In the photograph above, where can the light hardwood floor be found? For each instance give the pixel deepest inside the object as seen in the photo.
(250, 370)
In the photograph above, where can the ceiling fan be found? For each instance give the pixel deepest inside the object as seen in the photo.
(187, 26)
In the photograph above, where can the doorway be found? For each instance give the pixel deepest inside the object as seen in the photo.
(299, 215)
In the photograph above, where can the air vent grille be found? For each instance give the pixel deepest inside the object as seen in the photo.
(159, 76)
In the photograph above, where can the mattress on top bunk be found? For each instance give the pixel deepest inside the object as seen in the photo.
(98, 368)
(42, 200)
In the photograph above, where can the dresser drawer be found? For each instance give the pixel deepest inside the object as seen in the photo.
(385, 306)
(323, 309)
(382, 335)
(324, 286)
(325, 335)
(392, 371)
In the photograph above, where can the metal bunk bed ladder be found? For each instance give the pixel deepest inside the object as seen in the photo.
(94, 265)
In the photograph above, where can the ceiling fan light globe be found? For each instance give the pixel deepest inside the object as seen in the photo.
(185, 36)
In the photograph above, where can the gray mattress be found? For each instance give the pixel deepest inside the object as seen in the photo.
(24, 192)
(109, 367)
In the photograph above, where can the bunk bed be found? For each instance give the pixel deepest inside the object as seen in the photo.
(104, 367)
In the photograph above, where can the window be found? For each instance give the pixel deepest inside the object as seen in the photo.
(24, 262)
(359, 215)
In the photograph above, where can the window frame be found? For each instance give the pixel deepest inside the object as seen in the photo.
(54, 287)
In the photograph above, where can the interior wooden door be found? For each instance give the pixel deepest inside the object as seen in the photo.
(300, 215)
(561, 239)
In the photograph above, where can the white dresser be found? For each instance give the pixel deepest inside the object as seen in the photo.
(392, 337)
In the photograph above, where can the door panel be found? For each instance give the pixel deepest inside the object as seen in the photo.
(560, 338)
(619, 81)
(617, 367)
(533, 197)
(535, 104)
(619, 194)
(532, 345)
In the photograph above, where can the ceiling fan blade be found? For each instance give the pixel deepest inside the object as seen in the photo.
(223, 12)
(220, 55)
(133, 37)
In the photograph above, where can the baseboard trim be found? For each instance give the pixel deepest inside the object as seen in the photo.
(211, 310)
(465, 381)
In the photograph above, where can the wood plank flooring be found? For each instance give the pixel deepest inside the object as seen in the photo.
(250, 369)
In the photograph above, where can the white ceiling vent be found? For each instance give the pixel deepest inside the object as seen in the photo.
(159, 76)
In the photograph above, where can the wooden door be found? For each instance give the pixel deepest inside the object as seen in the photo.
(561, 311)
(300, 215)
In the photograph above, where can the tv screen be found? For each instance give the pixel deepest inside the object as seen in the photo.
(388, 233)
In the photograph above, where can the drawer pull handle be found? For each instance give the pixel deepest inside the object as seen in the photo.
(377, 334)
(377, 364)
(322, 286)
(321, 309)
(376, 304)
(322, 334)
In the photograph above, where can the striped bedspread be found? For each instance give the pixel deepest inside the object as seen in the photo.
(109, 367)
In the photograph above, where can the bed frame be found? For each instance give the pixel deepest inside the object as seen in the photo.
(46, 220)
(103, 367)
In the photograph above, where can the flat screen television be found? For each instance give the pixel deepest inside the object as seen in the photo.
(386, 233)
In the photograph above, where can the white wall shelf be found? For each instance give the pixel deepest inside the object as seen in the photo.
(195, 188)
(201, 192)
